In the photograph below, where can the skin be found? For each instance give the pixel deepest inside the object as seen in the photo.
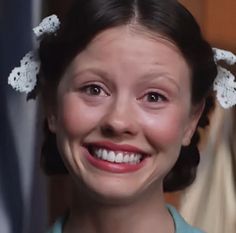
(143, 96)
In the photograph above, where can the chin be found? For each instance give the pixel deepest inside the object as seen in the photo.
(113, 197)
(114, 192)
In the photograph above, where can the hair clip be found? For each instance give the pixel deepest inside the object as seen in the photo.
(24, 77)
(48, 25)
(225, 83)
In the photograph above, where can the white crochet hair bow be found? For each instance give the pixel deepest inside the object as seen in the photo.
(24, 78)
(225, 83)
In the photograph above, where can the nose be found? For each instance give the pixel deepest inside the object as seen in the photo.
(119, 121)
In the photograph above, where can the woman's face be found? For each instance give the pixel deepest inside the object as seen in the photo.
(123, 113)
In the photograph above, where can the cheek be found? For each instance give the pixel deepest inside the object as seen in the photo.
(75, 117)
(165, 130)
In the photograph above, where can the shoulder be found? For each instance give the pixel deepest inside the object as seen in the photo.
(57, 227)
(181, 225)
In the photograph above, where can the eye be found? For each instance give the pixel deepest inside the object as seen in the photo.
(93, 90)
(154, 97)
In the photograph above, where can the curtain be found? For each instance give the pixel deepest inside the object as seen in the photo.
(22, 187)
(210, 203)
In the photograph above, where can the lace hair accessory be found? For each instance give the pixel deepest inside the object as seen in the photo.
(24, 77)
(225, 83)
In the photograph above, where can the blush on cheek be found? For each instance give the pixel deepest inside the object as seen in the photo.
(69, 123)
(164, 131)
(76, 118)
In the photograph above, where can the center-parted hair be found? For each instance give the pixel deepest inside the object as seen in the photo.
(168, 18)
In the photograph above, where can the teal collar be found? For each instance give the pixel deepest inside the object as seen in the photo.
(180, 225)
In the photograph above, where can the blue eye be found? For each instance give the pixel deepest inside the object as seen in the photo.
(93, 90)
(154, 97)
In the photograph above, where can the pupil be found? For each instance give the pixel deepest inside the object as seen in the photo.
(152, 98)
(95, 91)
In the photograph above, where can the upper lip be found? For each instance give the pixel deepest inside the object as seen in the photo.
(117, 147)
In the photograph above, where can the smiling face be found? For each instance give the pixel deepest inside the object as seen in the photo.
(123, 112)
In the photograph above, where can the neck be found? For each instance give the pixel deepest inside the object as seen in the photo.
(146, 214)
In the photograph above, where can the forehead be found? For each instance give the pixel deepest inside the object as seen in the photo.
(135, 39)
(132, 49)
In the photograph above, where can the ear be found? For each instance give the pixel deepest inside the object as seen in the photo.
(50, 111)
(194, 117)
(52, 123)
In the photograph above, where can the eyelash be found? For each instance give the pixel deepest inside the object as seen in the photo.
(157, 97)
(87, 89)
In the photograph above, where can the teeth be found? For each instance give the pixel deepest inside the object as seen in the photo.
(104, 154)
(131, 158)
(99, 153)
(111, 156)
(117, 157)
(126, 158)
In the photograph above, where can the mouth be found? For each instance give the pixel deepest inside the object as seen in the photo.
(115, 158)
(116, 154)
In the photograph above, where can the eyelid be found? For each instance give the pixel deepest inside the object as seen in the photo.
(93, 76)
(161, 98)
(164, 96)
(153, 105)
(87, 85)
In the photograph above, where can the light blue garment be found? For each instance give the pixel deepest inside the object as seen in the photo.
(57, 227)
(180, 225)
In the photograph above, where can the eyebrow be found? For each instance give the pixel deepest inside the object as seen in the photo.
(91, 70)
(101, 73)
(161, 75)
(153, 75)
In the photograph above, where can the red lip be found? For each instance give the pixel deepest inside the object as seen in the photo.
(113, 167)
(117, 147)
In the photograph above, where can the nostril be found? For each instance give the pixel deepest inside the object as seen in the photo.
(108, 130)
(118, 123)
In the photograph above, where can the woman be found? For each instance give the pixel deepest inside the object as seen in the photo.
(125, 85)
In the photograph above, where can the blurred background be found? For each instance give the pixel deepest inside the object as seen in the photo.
(30, 201)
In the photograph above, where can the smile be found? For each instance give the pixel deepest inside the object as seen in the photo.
(116, 156)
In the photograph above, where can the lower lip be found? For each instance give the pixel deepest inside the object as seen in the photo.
(114, 167)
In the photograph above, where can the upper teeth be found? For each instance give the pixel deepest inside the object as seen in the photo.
(118, 157)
